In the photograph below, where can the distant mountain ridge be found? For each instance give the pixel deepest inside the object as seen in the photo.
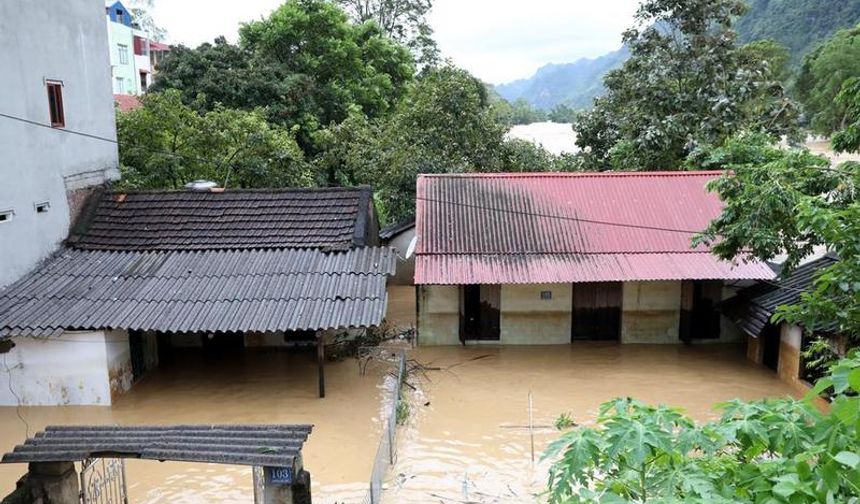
(797, 24)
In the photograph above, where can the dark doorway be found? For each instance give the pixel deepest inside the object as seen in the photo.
(596, 311)
(138, 360)
(480, 315)
(700, 316)
(770, 352)
(223, 343)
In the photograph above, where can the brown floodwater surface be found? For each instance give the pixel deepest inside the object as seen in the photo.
(468, 438)
(246, 387)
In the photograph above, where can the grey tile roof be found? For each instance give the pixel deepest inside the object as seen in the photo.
(754, 306)
(334, 218)
(252, 445)
(207, 291)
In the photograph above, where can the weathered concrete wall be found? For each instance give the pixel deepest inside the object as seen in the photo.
(526, 319)
(755, 349)
(651, 312)
(401, 306)
(71, 369)
(439, 315)
(118, 355)
(62, 40)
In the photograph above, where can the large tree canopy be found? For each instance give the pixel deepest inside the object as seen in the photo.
(686, 83)
(306, 64)
(821, 77)
(166, 144)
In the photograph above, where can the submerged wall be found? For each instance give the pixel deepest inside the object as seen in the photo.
(527, 319)
(438, 315)
(76, 368)
(401, 306)
(650, 312)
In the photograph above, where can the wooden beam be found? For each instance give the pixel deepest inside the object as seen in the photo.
(321, 362)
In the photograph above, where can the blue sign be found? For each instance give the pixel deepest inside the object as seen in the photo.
(279, 475)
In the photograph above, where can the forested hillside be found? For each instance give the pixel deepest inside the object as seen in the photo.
(797, 24)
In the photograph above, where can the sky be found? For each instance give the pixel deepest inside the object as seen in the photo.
(497, 40)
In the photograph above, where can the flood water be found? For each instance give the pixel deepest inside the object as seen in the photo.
(249, 387)
(468, 438)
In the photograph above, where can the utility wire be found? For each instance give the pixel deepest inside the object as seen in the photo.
(18, 401)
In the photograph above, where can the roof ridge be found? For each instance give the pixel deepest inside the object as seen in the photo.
(606, 174)
(251, 190)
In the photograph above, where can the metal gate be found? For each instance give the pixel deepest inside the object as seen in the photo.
(103, 481)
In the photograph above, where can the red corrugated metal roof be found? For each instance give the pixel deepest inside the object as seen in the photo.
(551, 227)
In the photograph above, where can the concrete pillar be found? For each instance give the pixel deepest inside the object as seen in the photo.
(284, 485)
(53, 483)
(755, 350)
(790, 340)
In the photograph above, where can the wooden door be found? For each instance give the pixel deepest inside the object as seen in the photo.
(596, 311)
(480, 315)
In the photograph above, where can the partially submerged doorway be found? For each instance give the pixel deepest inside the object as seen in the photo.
(700, 316)
(480, 318)
(596, 311)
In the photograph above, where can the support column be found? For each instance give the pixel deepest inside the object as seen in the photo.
(321, 362)
(283, 485)
(54, 482)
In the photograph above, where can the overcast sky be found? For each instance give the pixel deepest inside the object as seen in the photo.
(497, 40)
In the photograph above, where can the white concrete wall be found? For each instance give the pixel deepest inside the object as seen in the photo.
(64, 40)
(76, 368)
(650, 312)
(526, 319)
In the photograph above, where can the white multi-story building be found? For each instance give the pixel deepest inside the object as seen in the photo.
(57, 128)
(133, 55)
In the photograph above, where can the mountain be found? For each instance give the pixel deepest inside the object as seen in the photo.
(797, 24)
(573, 84)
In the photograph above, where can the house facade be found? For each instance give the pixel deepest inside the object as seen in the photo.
(155, 275)
(402, 307)
(134, 56)
(124, 76)
(60, 86)
(558, 258)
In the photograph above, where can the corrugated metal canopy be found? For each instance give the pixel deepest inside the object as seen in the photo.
(201, 291)
(559, 228)
(251, 445)
(753, 307)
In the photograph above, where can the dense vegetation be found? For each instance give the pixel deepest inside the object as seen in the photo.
(771, 451)
(316, 95)
(686, 84)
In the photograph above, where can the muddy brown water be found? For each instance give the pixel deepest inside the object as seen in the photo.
(471, 442)
(249, 387)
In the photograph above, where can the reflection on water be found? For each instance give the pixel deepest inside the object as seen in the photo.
(250, 387)
(468, 439)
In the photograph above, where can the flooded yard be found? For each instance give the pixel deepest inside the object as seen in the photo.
(245, 387)
(468, 438)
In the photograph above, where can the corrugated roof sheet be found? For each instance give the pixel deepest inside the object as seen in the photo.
(238, 290)
(334, 218)
(251, 445)
(536, 228)
(754, 306)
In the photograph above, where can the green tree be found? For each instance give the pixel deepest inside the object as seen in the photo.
(403, 20)
(686, 83)
(821, 78)
(562, 113)
(790, 201)
(166, 144)
(446, 124)
(306, 65)
(770, 451)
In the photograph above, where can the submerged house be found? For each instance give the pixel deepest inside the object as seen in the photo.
(779, 346)
(549, 258)
(145, 273)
